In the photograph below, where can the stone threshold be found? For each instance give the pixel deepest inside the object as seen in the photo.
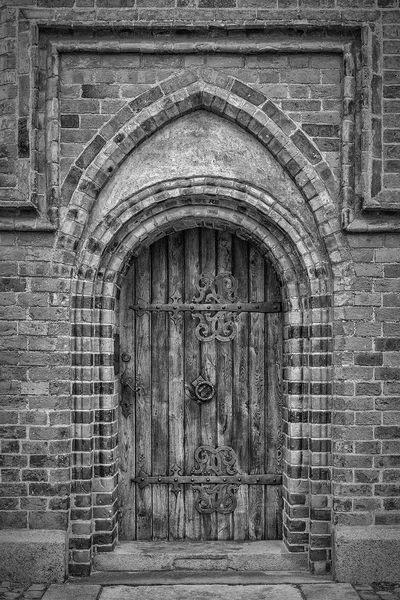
(165, 578)
(261, 556)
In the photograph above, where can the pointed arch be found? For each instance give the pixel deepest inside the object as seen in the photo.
(310, 262)
(200, 89)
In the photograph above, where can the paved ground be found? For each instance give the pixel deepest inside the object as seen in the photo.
(315, 591)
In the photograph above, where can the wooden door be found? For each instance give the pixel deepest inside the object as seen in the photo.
(184, 387)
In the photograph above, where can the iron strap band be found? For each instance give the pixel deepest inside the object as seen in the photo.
(217, 492)
(260, 307)
(264, 479)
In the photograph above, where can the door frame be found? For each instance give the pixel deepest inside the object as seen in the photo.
(307, 247)
(307, 298)
(270, 366)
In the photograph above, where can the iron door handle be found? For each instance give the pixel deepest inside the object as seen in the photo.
(125, 402)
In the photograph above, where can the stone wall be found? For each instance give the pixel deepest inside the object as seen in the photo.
(74, 74)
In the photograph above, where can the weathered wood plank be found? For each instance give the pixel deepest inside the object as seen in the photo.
(192, 371)
(273, 413)
(159, 386)
(257, 398)
(126, 446)
(176, 382)
(209, 365)
(241, 388)
(144, 508)
(245, 412)
(224, 381)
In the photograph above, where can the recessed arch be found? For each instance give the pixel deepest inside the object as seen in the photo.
(308, 258)
(306, 279)
(215, 195)
(180, 95)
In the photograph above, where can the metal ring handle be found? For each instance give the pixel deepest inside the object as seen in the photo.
(200, 387)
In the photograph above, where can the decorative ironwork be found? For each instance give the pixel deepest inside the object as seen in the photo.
(176, 314)
(215, 479)
(221, 326)
(214, 461)
(203, 390)
(219, 497)
(216, 307)
(220, 289)
(143, 479)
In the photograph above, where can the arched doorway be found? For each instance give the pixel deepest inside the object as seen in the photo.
(200, 426)
(289, 214)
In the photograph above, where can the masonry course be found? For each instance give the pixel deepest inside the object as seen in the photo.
(101, 94)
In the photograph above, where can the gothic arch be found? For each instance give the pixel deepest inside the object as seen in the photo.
(180, 95)
(312, 264)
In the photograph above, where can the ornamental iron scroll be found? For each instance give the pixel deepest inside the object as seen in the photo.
(220, 290)
(216, 307)
(218, 497)
(215, 461)
(215, 478)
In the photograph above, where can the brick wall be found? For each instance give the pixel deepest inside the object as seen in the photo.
(366, 461)
(35, 390)
(36, 370)
(307, 87)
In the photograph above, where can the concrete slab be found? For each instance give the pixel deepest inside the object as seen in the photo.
(199, 556)
(329, 591)
(33, 556)
(367, 554)
(73, 591)
(199, 592)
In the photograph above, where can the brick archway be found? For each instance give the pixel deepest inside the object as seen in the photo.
(175, 97)
(307, 290)
(311, 261)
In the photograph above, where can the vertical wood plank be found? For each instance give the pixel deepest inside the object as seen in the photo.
(273, 413)
(245, 412)
(176, 382)
(144, 508)
(257, 399)
(241, 388)
(209, 365)
(192, 372)
(159, 385)
(126, 446)
(224, 379)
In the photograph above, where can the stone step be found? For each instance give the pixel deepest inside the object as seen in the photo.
(268, 555)
(168, 578)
